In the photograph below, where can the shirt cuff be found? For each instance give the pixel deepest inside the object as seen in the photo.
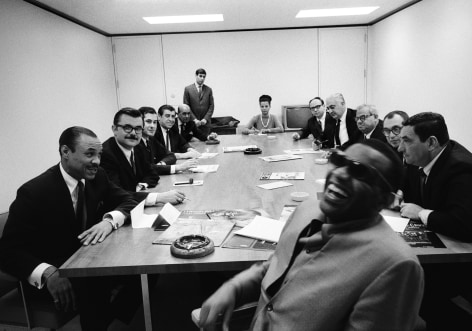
(35, 277)
(172, 169)
(151, 199)
(116, 216)
(424, 214)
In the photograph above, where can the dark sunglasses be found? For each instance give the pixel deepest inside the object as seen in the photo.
(362, 172)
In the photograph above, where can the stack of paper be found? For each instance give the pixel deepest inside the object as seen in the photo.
(263, 228)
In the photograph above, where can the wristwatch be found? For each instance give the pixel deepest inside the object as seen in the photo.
(114, 224)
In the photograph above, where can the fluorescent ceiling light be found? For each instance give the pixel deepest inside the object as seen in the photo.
(184, 19)
(335, 12)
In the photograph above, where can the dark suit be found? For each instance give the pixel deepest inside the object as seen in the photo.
(42, 227)
(120, 171)
(376, 134)
(177, 143)
(312, 127)
(189, 130)
(156, 152)
(447, 192)
(201, 105)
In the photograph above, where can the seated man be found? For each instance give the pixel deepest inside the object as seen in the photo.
(125, 161)
(321, 126)
(265, 122)
(392, 125)
(172, 140)
(368, 123)
(157, 154)
(440, 195)
(187, 128)
(71, 204)
(338, 265)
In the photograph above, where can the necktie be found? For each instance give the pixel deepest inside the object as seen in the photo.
(167, 140)
(200, 92)
(336, 133)
(149, 149)
(422, 183)
(182, 128)
(131, 160)
(319, 123)
(80, 213)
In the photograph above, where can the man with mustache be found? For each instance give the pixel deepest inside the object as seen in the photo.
(71, 204)
(338, 265)
(126, 163)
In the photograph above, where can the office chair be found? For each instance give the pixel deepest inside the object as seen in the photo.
(240, 320)
(18, 309)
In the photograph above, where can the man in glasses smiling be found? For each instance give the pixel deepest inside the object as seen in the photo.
(338, 265)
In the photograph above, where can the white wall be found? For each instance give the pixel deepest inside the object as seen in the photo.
(54, 74)
(420, 60)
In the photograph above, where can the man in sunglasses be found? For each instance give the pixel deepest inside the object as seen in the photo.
(392, 125)
(126, 163)
(338, 265)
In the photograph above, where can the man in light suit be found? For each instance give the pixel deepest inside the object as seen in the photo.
(71, 204)
(338, 265)
(321, 126)
(200, 99)
(369, 124)
(346, 131)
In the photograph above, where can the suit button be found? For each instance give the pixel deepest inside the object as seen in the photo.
(270, 307)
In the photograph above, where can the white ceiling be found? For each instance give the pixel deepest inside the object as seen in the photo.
(117, 17)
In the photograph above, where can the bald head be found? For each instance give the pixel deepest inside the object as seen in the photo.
(184, 113)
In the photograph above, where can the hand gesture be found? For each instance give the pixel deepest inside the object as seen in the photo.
(96, 234)
(192, 163)
(173, 196)
(410, 210)
(221, 303)
(61, 291)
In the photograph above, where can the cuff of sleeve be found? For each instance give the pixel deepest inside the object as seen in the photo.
(151, 199)
(423, 215)
(116, 216)
(35, 277)
(172, 169)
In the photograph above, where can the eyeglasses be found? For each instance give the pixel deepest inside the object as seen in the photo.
(395, 130)
(316, 107)
(362, 172)
(362, 118)
(128, 128)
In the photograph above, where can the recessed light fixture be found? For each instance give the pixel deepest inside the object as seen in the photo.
(184, 19)
(335, 12)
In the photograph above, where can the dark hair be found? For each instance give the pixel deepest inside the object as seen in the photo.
(200, 71)
(429, 124)
(70, 136)
(165, 107)
(397, 112)
(395, 172)
(266, 98)
(316, 98)
(147, 110)
(126, 111)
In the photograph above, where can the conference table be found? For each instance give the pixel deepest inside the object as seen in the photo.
(129, 251)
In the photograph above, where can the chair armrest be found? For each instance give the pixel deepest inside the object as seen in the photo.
(240, 319)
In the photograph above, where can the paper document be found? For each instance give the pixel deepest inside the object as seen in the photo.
(274, 185)
(398, 224)
(205, 168)
(139, 219)
(237, 148)
(300, 151)
(283, 175)
(207, 155)
(263, 228)
(281, 157)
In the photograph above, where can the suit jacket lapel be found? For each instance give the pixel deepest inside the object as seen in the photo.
(122, 158)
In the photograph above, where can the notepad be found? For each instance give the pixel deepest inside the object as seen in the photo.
(263, 228)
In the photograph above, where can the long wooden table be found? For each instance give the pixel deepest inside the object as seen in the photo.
(131, 252)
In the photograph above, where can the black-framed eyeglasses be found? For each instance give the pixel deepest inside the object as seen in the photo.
(316, 107)
(362, 118)
(362, 172)
(395, 130)
(128, 128)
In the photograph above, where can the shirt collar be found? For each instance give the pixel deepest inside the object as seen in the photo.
(71, 182)
(343, 116)
(430, 165)
(198, 86)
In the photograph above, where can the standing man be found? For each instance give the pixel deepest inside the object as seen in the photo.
(320, 126)
(438, 192)
(338, 265)
(126, 163)
(187, 128)
(171, 139)
(368, 123)
(200, 99)
(392, 126)
(71, 204)
(346, 132)
(163, 159)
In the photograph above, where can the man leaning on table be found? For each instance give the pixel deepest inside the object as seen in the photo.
(338, 265)
(69, 205)
(187, 128)
(125, 161)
